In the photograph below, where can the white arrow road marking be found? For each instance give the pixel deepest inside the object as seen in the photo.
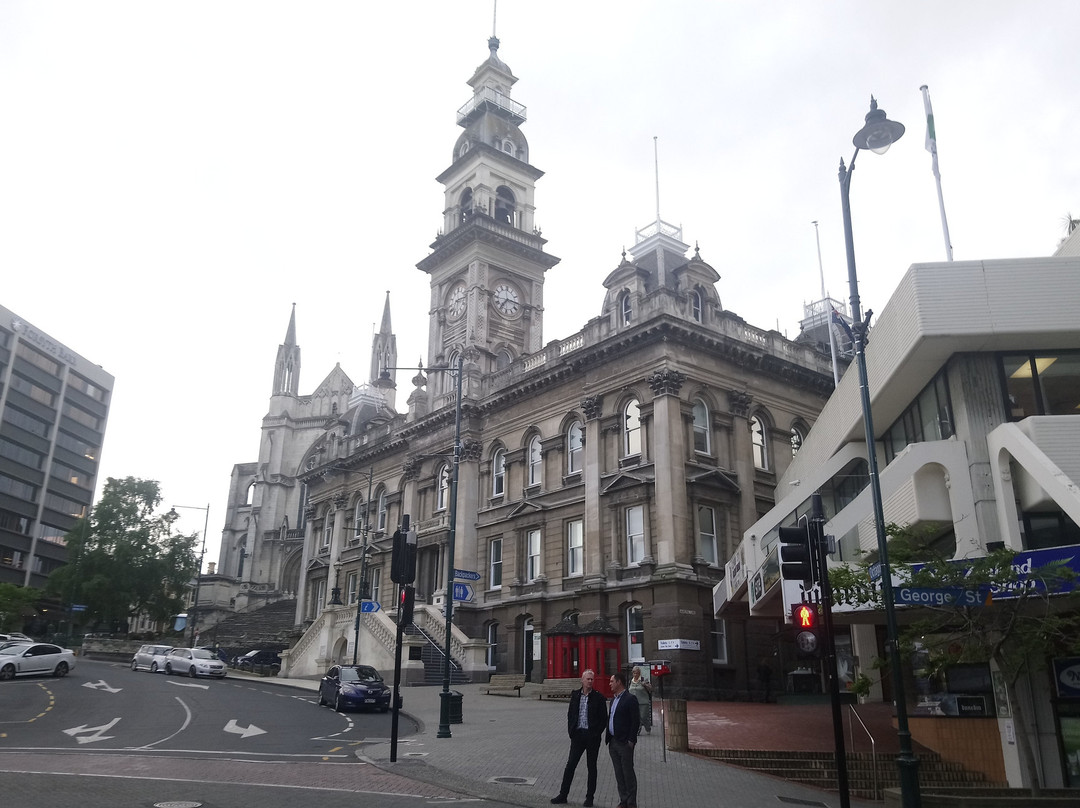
(100, 685)
(74, 732)
(243, 732)
(189, 684)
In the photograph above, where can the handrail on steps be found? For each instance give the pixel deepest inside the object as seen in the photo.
(873, 743)
(437, 647)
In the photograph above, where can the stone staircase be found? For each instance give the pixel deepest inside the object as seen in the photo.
(274, 625)
(818, 769)
(431, 652)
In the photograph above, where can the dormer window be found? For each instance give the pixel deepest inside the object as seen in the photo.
(626, 308)
(695, 305)
(508, 147)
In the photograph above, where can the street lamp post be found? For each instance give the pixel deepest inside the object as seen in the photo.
(335, 593)
(877, 135)
(202, 554)
(365, 587)
(445, 695)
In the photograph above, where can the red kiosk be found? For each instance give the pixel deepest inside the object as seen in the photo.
(572, 648)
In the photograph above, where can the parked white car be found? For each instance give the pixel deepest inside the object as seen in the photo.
(150, 657)
(34, 659)
(194, 662)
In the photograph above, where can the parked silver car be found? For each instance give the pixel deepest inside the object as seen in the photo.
(38, 658)
(150, 657)
(194, 662)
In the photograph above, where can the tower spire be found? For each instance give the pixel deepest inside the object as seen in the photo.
(287, 366)
(384, 357)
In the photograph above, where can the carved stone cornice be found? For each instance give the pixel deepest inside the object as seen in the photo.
(471, 450)
(410, 469)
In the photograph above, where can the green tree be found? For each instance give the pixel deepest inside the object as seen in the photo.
(1024, 617)
(15, 603)
(124, 559)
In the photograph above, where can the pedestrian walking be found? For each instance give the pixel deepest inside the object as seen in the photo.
(623, 724)
(586, 718)
(642, 691)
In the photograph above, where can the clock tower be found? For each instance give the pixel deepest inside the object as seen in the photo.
(488, 262)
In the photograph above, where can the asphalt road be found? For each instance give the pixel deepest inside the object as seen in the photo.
(108, 736)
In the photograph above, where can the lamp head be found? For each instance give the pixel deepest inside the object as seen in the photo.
(879, 132)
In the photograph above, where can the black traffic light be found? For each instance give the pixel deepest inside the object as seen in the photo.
(405, 605)
(403, 559)
(797, 553)
(804, 616)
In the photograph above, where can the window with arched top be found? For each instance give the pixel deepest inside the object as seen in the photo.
(498, 473)
(381, 518)
(503, 359)
(696, 305)
(249, 495)
(632, 428)
(464, 149)
(442, 497)
(798, 435)
(360, 516)
(508, 147)
(702, 438)
(626, 308)
(328, 528)
(465, 203)
(759, 441)
(505, 205)
(635, 634)
(575, 448)
(535, 462)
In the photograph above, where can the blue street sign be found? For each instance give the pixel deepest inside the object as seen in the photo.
(370, 606)
(463, 592)
(78, 607)
(467, 575)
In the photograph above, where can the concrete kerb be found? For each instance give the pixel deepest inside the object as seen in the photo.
(523, 741)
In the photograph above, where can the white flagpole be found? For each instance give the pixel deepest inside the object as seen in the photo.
(931, 146)
(828, 317)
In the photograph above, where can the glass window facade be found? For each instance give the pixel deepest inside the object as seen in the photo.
(929, 417)
(1041, 384)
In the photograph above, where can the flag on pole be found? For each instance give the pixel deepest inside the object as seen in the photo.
(931, 135)
(931, 146)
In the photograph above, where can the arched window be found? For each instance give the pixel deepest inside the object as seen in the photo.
(465, 203)
(702, 443)
(505, 205)
(536, 470)
(498, 473)
(503, 359)
(575, 446)
(631, 429)
(328, 528)
(381, 511)
(360, 515)
(797, 438)
(249, 496)
(759, 439)
(508, 147)
(626, 308)
(696, 305)
(635, 635)
(442, 497)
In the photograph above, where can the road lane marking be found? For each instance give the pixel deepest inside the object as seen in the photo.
(243, 732)
(101, 685)
(98, 732)
(187, 721)
(189, 684)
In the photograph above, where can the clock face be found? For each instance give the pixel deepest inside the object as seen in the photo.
(507, 300)
(456, 304)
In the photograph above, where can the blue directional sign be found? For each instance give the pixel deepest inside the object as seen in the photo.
(370, 606)
(78, 607)
(463, 592)
(467, 575)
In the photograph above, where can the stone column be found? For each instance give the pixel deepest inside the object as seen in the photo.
(669, 517)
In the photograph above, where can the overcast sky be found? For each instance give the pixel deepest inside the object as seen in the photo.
(175, 175)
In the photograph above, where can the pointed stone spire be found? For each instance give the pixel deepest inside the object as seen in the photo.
(287, 366)
(384, 357)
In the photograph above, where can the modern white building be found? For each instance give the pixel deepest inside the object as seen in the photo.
(974, 376)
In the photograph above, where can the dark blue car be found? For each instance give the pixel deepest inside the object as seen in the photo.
(354, 687)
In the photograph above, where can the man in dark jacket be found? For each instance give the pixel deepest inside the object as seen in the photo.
(586, 718)
(622, 731)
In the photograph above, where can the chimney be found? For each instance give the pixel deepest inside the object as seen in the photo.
(210, 568)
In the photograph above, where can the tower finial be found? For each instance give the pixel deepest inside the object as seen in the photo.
(656, 164)
(494, 16)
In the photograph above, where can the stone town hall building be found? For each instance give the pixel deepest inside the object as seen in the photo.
(604, 478)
